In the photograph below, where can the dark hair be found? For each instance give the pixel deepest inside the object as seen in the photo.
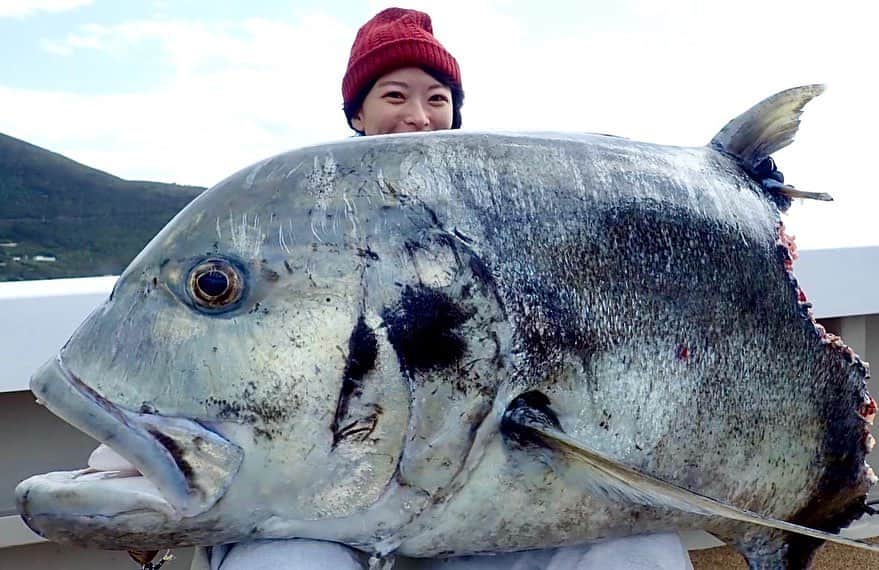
(353, 107)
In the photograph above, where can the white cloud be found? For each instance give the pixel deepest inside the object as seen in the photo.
(671, 73)
(23, 8)
(92, 36)
(235, 93)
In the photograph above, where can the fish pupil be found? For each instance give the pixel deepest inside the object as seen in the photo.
(213, 283)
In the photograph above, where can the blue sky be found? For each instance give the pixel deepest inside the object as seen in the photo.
(191, 91)
(55, 43)
(34, 32)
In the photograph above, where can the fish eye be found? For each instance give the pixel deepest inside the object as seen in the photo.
(215, 284)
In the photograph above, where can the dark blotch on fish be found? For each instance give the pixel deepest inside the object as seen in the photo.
(362, 353)
(530, 408)
(176, 453)
(367, 253)
(421, 328)
(264, 410)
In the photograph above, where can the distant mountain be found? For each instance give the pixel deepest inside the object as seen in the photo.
(59, 218)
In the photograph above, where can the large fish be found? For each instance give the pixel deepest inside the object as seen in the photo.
(451, 343)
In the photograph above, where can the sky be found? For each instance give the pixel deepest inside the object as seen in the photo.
(192, 91)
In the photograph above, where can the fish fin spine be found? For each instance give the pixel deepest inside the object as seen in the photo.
(765, 128)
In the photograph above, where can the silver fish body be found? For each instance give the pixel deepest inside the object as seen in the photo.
(329, 344)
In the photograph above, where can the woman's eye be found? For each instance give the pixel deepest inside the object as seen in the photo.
(215, 284)
(438, 98)
(393, 95)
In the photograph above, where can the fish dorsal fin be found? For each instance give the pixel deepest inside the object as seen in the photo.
(614, 479)
(768, 126)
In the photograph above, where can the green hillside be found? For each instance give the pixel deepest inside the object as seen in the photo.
(59, 218)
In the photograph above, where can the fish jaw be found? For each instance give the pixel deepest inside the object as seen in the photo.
(172, 469)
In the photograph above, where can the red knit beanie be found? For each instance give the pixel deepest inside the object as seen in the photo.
(392, 39)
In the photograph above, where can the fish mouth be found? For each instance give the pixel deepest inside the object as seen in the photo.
(169, 468)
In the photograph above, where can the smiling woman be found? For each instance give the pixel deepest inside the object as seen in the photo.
(400, 78)
(405, 100)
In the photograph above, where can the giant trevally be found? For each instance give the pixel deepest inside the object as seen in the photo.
(450, 343)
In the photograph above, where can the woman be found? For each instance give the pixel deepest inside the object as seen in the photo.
(401, 79)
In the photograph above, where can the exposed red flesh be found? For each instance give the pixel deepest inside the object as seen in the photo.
(867, 409)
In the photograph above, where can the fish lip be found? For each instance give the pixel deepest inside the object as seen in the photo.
(162, 448)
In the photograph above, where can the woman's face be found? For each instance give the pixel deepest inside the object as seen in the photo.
(405, 100)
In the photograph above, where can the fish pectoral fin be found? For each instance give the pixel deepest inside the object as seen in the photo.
(537, 424)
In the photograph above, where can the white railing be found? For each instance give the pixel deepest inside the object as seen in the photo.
(37, 318)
